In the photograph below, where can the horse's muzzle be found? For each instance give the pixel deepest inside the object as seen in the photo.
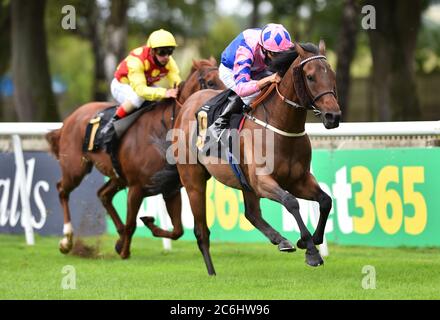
(331, 119)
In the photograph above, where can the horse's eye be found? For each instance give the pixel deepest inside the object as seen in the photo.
(210, 83)
(310, 78)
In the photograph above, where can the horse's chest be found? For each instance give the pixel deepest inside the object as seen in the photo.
(290, 171)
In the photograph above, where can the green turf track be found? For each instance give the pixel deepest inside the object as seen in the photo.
(244, 271)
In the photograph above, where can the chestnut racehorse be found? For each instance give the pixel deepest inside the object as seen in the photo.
(140, 160)
(308, 82)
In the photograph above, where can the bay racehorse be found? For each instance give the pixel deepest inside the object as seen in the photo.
(140, 160)
(307, 82)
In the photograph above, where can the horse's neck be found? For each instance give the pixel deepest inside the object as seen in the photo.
(278, 113)
(190, 86)
(185, 93)
(161, 117)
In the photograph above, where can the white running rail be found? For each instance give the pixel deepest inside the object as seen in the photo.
(405, 128)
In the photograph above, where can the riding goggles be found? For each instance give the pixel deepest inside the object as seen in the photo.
(273, 54)
(162, 52)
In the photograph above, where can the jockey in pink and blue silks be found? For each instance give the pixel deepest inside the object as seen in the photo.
(243, 67)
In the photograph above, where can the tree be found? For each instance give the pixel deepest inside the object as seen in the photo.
(222, 32)
(33, 96)
(108, 37)
(5, 35)
(182, 18)
(288, 9)
(345, 51)
(95, 32)
(255, 17)
(5, 41)
(393, 45)
(117, 31)
(104, 25)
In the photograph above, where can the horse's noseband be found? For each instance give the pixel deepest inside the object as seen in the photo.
(320, 95)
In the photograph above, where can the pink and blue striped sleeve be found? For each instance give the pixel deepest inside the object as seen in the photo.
(245, 86)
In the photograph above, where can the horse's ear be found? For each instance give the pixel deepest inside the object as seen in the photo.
(196, 64)
(213, 60)
(299, 49)
(322, 47)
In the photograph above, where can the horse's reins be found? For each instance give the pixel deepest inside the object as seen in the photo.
(180, 105)
(320, 95)
(291, 103)
(202, 82)
(202, 74)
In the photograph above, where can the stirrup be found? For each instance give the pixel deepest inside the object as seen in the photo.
(216, 131)
(220, 135)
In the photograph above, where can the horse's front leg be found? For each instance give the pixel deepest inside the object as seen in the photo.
(309, 189)
(106, 194)
(269, 188)
(253, 214)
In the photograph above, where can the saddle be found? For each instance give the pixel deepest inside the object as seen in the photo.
(206, 116)
(210, 111)
(95, 141)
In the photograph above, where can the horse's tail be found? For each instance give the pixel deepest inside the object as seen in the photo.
(53, 138)
(167, 180)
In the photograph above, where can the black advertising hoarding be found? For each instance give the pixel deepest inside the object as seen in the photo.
(42, 175)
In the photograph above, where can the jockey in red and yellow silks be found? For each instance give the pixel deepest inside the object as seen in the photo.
(140, 71)
(136, 75)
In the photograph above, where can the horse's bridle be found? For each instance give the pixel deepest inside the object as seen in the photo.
(312, 105)
(201, 78)
(291, 103)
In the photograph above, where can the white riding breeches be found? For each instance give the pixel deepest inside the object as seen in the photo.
(123, 92)
(227, 76)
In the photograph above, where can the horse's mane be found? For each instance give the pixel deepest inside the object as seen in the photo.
(283, 60)
(202, 63)
(197, 65)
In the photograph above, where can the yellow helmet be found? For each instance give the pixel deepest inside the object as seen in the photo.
(161, 38)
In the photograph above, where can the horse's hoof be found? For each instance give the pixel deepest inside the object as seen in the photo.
(147, 220)
(64, 250)
(317, 241)
(65, 246)
(286, 246)
(301, 244)
(118, 246)
(314, 258)
(125, 256)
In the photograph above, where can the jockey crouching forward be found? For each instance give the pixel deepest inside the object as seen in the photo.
(136, 75)
(243, 62)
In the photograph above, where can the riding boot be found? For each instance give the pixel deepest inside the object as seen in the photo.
(219, 126)
(108, 133)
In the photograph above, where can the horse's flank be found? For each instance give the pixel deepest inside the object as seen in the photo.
(139, 158)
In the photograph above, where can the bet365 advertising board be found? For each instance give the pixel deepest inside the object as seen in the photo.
(381, 197)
